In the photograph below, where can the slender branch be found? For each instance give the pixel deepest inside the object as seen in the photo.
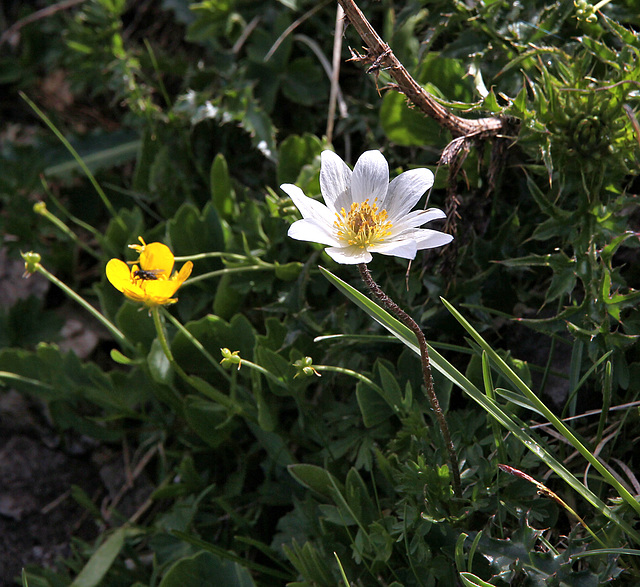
(335, 72)
(410, 323)
(380, 56)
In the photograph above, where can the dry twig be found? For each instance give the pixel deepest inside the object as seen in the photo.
(466, 132)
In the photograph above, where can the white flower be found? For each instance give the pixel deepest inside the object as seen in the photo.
(364, 213)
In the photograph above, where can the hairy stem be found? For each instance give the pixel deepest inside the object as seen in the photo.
(410, 323)
(380, 56)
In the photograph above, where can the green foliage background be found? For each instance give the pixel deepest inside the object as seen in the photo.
(190, 115)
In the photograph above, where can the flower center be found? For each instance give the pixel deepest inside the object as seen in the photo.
(363, 225)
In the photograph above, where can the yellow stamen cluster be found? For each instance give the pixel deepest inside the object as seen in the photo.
(363, 225)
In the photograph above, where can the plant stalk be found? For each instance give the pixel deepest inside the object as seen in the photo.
(410, 323)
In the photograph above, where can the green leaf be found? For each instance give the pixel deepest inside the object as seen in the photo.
(205, 569)
(225, 556)
(390, 387)
(213, 333)
(295, 153)
(536, 447)
(316, 478)
(209, 420)
(228, 299)
(304, 82)
(159, 365)
(192, 232)
(407, 126)
(222, 194)
(101, 151)
(101, 560)
(471, 580)
(358, 498)
(276, 365)
(373, 407)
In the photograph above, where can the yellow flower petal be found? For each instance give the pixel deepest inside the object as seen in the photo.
(157, 257)
(119, 274)
(184, 273)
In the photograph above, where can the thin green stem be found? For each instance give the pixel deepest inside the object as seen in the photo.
(41, 208)
(410, 323)
(220, 254)
(120, 337)
(84, 225)
(79, 160)
(355, 374)
(264, 372)
(226, 271)
(196, 343)
(164, 343)
(210, 391)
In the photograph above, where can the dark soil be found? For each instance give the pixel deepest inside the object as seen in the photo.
(38, 516)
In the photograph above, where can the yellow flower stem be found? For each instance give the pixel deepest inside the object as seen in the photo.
(94, 182)
(195, 342)
(266, 373)
(164, 343)
(219, 254)
(211, 392)
(118, 335)
(84, 225)
(410, 323)
(41, 208)
(226, 271)
(350, 373)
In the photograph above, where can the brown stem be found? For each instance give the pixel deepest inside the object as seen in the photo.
(410, 323)
(380, 56)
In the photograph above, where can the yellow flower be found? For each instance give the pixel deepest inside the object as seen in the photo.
(149, 280)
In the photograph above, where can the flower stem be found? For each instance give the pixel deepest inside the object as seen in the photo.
(211, 392)
(119, 336)
(410, 323)
(195, 342)
(103, 196)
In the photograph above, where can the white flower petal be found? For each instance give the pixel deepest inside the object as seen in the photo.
(335, 181)
(310, 230)
(417, 218)
(309, 208)
(349, 255)
(370, 178)
(405, 248)
(428, 239)
(405, 191)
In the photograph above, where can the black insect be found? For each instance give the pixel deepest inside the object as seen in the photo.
(147, 274)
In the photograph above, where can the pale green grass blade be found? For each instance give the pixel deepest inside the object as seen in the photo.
(539, 406)
(342, 573)
(496, 411)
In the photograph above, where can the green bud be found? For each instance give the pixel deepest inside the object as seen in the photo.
(305, 367)
(230, 358)
(40, 208)
(31, 262)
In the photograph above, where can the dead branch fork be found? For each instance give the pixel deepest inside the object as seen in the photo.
(465, 131)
